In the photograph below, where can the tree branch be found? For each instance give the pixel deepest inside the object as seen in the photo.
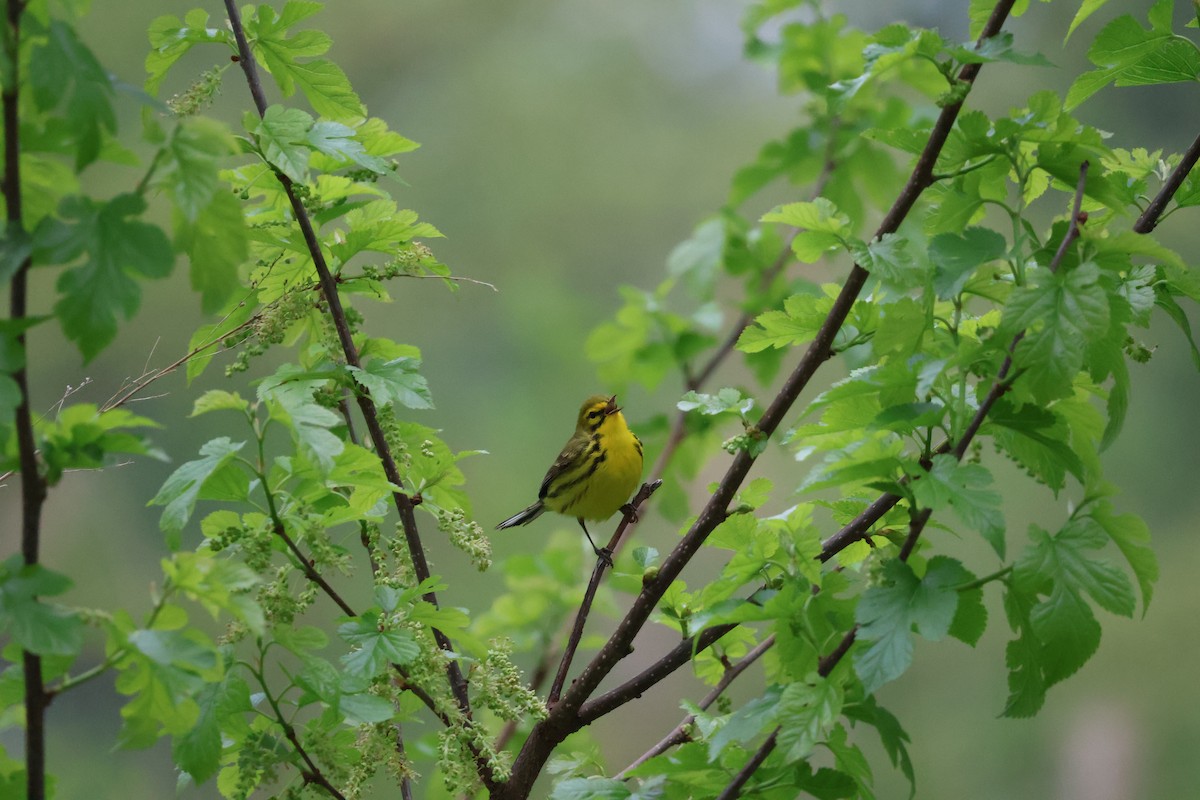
(589, 594)
(33, 484)
(563, 718)
(734, 789)
(403, 502)
(857, 528)
(679, 734)
(1153, 213)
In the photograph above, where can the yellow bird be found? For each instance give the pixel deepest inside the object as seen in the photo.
(596, 472)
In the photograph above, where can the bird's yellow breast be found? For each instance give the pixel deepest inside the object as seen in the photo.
(604, 478)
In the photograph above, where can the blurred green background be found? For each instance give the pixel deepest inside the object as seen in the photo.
(568, 146)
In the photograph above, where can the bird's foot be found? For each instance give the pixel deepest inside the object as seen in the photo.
(605, 555)
(631, 515)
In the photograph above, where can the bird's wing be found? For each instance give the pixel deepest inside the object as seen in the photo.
(570, 454)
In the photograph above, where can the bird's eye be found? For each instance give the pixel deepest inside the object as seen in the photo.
(593, 414)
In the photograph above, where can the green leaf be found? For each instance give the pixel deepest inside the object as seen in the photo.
(887, 614)
(1132, 536)
(961, 487)
(889, 260)
(806, 712)
(1022, 656)
(1062, 561)
(591, 789)
(341, 143)
(1037, 439)
(376, 649)
(64, 72)
(365, 709)
(891, 734)
(396, 381)
(726, 399)
(219, 400)
(751, 720)
(217, 244)
(1086, 9)
(182, 488)
(170, 39)
(1059, 316)
(15, 249)
(956, 256)
(797, 324)
(198, 751)
(118, 250)
(1129, 55)
(323, 83)
(1060, 567)
(191, 160)
(42, 628)
(290, 391)
(821, 227)
(283, 140)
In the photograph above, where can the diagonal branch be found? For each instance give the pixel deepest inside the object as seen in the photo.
(857, 528)
(589, 594)
(1153, 213)
(563, 718)
(403, 502)
(920, 518)
(679, 734)
(734, 789)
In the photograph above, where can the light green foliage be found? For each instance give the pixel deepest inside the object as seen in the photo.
(975, 322)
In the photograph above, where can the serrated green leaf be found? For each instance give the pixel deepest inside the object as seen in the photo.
(119, 249)
(889, 260)
(1132, 536)
(1059, 316)
(376, 649)
(396, 381)
(1129, 55)
(219, 400)
(180, 491)
(805, 713)
(40, 627)
(961, 487)
(1022, 656)
(365, 709)
(797, 324)
(64, 73)
(956, 256)
(282, 136)
(726, 399)
(170, 39)
(886, 615)
(198, 751)
(340, 142)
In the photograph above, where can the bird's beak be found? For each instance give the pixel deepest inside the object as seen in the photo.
(612, 406)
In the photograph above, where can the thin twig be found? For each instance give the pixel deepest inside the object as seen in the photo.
(313, 774)
(589, 594)
(734, 789)
(680, 733)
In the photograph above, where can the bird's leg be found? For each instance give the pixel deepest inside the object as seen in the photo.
(630, 513)
(604, 554)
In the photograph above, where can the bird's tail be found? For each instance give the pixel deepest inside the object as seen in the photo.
(523, 516)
